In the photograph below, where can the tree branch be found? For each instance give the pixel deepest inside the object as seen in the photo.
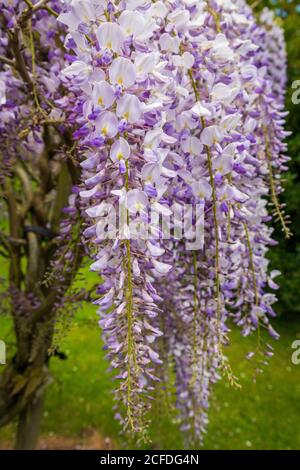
(14, 226)
(21, 173)
(20, 62)
(7, 61)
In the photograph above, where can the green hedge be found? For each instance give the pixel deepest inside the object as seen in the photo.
(286, 256)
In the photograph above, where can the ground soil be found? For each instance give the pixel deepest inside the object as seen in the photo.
(89, 440)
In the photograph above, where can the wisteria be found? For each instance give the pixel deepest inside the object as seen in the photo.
(171, 109)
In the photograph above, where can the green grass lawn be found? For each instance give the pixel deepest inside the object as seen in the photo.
(264, 415)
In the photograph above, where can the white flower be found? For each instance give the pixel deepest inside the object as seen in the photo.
(161, 268)
(129, 108)
(211, 135)
(168, 43)
(155, 250)
(103, 95)
(221, 50)
(202, 189)
(78, 67)
(192, 145)
(82, 11)
(145, 63)
(110, 36)
(107, 124)
(200, 110)
(120, 150)
(186, 60)
(224, 93)
(134, 4)
(223, 164)
(158, 9)
(179, 17)
(122, 72)
(132, 22)
(151, 173)
(137, 201)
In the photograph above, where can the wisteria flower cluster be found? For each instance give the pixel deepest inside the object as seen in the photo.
(174, 106)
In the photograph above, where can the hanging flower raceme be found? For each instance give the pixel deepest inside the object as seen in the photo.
(21, 103)
(175, 112)
(124, 90)
(214, 144)
(274, 51)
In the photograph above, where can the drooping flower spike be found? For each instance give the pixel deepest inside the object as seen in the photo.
(172, 100)
(176, 111)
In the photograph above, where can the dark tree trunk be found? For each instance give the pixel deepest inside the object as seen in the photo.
(36, 189)
(30, 417)
(24, 381)
(29, 424)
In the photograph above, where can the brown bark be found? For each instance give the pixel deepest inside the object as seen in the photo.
(25, 378)
(34, 195)
(29, 425)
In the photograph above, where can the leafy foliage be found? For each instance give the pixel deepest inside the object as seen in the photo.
(286, 256)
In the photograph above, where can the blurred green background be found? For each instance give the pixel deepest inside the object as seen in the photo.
(264, 414)
(78, 409)
(287, 255)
